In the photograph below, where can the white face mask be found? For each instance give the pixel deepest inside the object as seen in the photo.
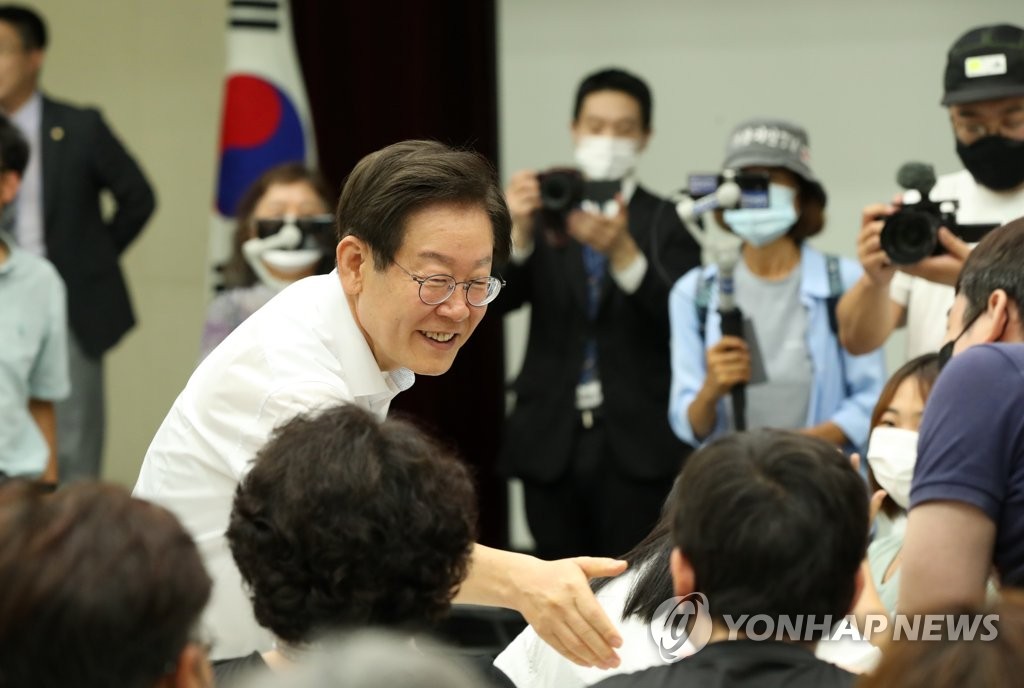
(606, 158)
(295, 260)
(892, 453)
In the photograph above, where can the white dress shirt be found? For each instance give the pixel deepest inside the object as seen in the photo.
(28, 222)
(300, 352)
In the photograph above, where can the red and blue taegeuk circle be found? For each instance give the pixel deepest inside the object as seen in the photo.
(261, 129)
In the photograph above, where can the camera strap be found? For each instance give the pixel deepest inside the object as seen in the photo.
(835, 290)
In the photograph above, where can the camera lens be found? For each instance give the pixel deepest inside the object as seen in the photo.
(560, 191)
(909, 236)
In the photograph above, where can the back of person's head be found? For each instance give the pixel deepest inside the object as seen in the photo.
(347, 521)
(995, 263)
(774, 523)
(991, 656)
(97, 589)
(615, 80)
(376, 659)
(28, 23)
(236, 271)
(386, 187)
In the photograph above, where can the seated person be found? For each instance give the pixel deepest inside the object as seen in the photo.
(634, 601)
(283, 195)
(789, 291)
(766, 524)
(98, 590)
(343, 522)
(891, 455)
(34, 354)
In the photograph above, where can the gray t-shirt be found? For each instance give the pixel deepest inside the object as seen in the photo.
(780, 324)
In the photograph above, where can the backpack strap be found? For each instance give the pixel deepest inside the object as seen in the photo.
(835, 290)
(704, 287)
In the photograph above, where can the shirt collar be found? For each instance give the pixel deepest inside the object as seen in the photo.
(814, 280)
(12, 253)
(350, 348)
(29, 116)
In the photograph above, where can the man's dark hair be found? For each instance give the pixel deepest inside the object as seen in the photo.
(389, 185)
(97, 589)
(773, 523)
(27, 22)
(13, 148)
(347, 521)
(995, 263)
(616, 80)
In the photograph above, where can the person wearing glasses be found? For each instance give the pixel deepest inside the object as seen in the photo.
(421, 227)
(261, 264)
(984, 93)
(588, 435)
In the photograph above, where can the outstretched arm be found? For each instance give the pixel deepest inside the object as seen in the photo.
(553, 596)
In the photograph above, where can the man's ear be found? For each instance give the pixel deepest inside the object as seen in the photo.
(192, 671)
(998, 310)
(354, 260)
(641, 143)
(684, 580)
(10, 182)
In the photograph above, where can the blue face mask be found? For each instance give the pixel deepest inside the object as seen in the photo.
(762, 226)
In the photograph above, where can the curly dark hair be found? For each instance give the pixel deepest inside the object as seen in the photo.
(348, 521)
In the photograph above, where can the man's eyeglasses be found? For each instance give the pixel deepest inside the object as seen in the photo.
(436, 289)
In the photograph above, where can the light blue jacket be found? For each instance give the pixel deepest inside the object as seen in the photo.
(846, 387)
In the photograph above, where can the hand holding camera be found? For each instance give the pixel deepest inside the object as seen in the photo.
(523, 198)
(921, 237)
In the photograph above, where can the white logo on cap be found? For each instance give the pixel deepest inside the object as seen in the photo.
(985, 65)
(772, 137)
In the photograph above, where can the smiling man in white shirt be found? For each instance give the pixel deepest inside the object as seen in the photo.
(421, 227)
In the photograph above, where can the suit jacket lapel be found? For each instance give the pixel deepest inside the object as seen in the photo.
(52, 137)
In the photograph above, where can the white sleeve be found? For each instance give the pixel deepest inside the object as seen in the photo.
(899, 288)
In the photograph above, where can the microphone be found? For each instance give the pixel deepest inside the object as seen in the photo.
(917, 176)
(732, 325)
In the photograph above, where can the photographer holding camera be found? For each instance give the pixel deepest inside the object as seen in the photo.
(595, 255)
(984, 92)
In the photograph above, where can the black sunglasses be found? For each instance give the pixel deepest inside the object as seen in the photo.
(310, 226)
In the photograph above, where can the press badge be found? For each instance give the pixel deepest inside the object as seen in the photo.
(589, 395)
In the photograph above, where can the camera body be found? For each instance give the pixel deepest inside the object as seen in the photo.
(911, 234)
(562, 189)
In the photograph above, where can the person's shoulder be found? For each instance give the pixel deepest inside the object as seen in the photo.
(983, 361)
(952, 185)
(652, 677)
(39, 270)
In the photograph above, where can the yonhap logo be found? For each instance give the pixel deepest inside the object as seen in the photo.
(686, 628)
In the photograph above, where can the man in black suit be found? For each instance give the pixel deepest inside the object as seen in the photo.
(74, 158)
(589, 435)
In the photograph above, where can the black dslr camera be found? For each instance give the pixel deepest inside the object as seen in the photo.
(563, 189)
(911, 234)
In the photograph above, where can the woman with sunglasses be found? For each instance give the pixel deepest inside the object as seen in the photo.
(284, 231)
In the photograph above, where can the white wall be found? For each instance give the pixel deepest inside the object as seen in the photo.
(864, 78)
(155, 68)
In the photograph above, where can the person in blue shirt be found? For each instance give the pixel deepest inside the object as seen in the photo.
(33, 328)
(788, 290)
(967, 493)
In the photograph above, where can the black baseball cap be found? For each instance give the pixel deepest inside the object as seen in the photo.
(985, 63)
